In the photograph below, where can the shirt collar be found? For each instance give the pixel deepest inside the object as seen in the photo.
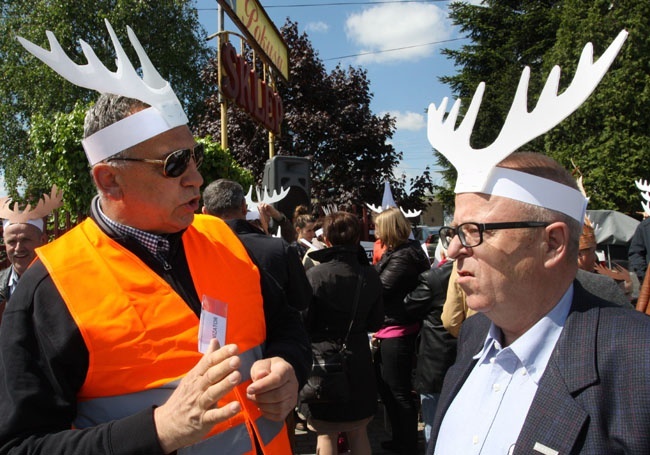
(13, 279)
(535, 346)
(157, 245)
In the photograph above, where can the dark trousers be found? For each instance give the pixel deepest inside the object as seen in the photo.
(394, 380)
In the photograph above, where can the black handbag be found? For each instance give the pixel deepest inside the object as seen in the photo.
(329, 380)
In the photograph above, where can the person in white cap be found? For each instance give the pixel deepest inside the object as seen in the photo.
(21, 241)
(146, 329)
(22, 232)
(544, 366)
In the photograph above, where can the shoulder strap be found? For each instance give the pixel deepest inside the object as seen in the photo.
(355, 304)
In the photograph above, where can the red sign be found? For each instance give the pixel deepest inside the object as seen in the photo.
(241, 84)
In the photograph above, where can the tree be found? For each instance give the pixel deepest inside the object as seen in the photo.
(327, 118)
(608, 138)
(169, 31)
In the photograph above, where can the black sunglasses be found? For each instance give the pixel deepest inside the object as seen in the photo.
(174, 164)
(471, 234)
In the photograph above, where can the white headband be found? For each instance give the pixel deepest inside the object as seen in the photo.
(166, 112)
(38, 223)
(126, 133)
(535, 190)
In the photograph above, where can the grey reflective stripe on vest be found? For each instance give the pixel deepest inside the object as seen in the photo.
(235, 439)
(104, 409)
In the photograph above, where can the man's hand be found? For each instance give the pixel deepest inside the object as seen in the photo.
(191, 411)
(620, 274)
(274, 388)
(270, 211)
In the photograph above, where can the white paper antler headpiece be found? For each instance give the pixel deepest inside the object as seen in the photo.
(165, 113)
(13, 215)
(644, 187)
(477, 171)
(388, 201)
(262, 197)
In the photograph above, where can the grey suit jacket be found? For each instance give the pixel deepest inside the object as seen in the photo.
(603, 287)
(593, 397)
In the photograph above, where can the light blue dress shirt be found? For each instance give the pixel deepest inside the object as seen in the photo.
(489, 411)
(13, 281)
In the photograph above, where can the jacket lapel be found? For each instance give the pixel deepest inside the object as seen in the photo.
(555, 420)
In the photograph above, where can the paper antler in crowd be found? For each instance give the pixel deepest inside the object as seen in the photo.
(13, 215)
(477, 171)
(644, 187)
(388, 201)
(166, 111)
(330, 208)
(263, 196)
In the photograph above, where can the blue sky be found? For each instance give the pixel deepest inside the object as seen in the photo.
(398, 43)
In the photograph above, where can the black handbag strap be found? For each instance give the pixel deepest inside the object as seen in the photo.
(355, 304)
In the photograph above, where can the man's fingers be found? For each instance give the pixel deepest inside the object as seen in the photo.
(215, 392)
(217, 415)
(214, 357)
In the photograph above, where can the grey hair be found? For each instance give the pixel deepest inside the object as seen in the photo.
(223, 198)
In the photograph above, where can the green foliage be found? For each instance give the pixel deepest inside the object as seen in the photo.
(327, 118)
(218, 164)
(169, 31)
(60, 159)
(608, 138)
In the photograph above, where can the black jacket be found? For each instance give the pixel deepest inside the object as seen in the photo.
(5, 274)
(436, 347)
(334, 283)
(639, 249)
(399, 270)
(44, 360)
(279, 260)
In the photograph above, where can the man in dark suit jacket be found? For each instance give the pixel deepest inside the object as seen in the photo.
(545, 366)
(225, 199)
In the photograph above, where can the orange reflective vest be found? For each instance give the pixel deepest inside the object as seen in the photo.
(142, 337)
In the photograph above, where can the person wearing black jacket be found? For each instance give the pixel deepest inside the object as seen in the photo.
(334, 282)
(436, 347)
(100, 347)
(398, 269)
(225, 199)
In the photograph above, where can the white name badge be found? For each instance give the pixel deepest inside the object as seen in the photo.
(214, 317)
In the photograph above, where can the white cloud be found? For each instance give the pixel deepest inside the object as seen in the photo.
(317, 27)
(405, 26)
(408, 121)
(474, 2)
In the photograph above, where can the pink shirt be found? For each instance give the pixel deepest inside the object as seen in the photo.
(394, 331)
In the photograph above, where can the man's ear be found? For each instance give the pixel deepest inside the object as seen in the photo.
(107, 180)
(557, 243)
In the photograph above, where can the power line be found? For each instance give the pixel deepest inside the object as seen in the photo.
(353, 3)
(308, 5)
(393, 50)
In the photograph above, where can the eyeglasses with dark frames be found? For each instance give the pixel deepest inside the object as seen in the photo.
(471, 234)
(175, 163)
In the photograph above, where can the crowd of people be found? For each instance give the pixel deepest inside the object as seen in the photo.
(151, 328)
